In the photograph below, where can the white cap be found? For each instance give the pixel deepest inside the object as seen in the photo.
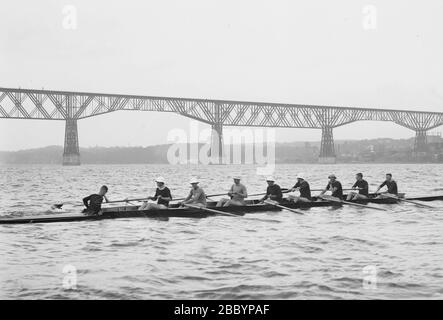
(270, 179)
(236, 178)
(160, 179)
(193, 180)
(300, 176)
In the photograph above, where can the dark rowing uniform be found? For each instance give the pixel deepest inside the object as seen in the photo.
(363, 186)
(165, 193)
(305, 189)
(392, 186)
(274, 192)
(93, 203)
(338, 193)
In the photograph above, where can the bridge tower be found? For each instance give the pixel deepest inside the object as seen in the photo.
(217, 144)
(421, 141)
(327, 149)
(71, 152)
(217, 137)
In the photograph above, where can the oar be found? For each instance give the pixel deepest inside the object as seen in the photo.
(127, 200)
(249, 195)
(207, 196)
(405, 200)
(264, 193)
(350, 203)
(319, 190)
(211, 210)
(225, 194)
(283, 207)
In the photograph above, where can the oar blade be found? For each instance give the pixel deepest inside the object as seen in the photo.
(408, 201)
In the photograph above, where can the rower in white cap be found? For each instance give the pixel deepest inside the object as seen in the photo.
(237, 195)
(162, 196)
(197, 196)
(273, 192)
(303, 187)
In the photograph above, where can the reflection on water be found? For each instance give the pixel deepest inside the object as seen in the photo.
(279, 255)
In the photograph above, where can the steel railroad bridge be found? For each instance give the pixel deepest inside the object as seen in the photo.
(73, 106)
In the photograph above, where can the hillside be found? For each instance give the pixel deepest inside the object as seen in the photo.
(376, 150)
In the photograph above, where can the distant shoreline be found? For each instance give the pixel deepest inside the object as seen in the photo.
(376, 151)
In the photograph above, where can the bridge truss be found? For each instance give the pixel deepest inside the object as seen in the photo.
(74, 106)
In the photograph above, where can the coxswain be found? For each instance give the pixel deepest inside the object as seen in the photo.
(93, 203)
(162, 197)
(361, 188)
(302, 186)
(390, 184)
(334, 186)
(273, 191)
(197, 196)
(237, 195)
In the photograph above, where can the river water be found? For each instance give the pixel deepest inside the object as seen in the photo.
(329, 253)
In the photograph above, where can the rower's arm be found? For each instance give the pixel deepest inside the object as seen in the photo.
(324, 190)
(155, 197)
(244, 193)
(106, 199)
(188, 197)
(86, 200)
(193, 198)
(381, 186)
(265, 197)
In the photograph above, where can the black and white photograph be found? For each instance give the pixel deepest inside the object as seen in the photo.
(208, 150)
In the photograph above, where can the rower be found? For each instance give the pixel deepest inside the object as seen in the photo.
(93, 203)
(390, 184)
(303, 187)
(334, 186)
(362, 186)
(162, 196)
(273, 191)
(197, 196)
(237, 195)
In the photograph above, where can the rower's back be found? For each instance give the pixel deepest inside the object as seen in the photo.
(93, 203)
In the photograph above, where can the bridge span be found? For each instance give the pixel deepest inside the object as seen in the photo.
(73, 106)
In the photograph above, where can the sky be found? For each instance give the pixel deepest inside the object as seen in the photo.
(378, 54)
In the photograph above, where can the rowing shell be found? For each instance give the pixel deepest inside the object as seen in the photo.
(253, 206)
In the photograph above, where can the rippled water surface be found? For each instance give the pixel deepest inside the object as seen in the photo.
(274, 255)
